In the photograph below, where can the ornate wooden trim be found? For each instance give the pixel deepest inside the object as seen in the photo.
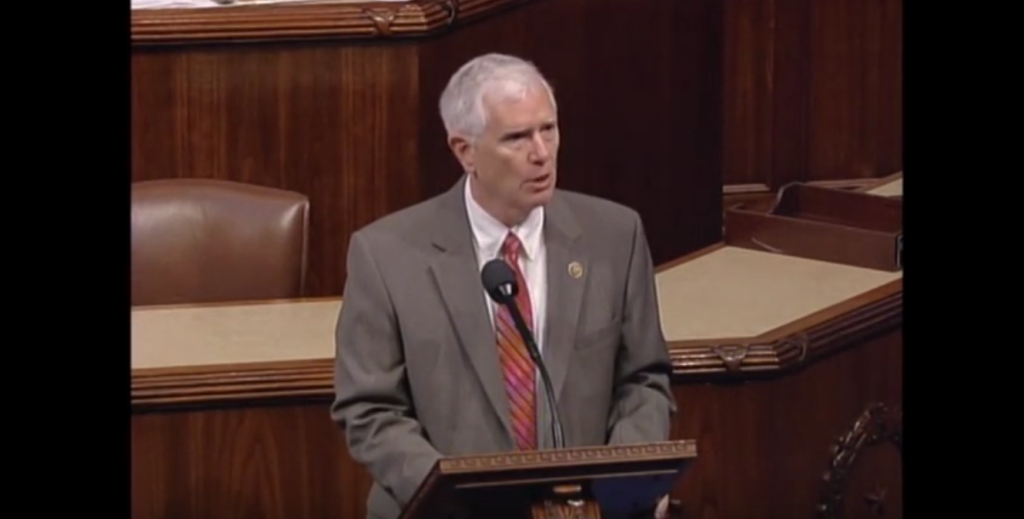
(212, 385)
(569, 457)
(878, 424)
(791, 347)
(308, 21)
(794, 346)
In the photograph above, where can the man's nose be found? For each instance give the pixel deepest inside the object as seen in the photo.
(540, 151)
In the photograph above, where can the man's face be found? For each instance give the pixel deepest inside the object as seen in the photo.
(515, 158)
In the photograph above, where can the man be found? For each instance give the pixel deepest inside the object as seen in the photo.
(423, 355)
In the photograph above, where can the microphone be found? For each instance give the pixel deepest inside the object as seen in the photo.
(500, 283)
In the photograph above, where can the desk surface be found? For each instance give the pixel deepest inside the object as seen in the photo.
(727, 292)
(894, 188)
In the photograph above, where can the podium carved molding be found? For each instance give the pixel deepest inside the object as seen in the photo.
(575, 457)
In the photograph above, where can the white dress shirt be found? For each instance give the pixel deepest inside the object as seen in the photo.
(488, 237)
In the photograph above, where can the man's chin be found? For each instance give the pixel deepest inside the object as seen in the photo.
(539, 198)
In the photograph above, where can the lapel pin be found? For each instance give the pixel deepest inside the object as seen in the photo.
(575, 269)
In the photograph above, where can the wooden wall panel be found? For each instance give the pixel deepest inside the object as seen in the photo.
(335, 122)
(267, 461)
(812, 91)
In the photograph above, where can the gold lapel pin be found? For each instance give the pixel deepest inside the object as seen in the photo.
(575, 269)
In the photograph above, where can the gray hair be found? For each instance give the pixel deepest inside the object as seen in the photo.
(462, 102)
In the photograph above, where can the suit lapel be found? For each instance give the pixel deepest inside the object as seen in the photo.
(456, 272)
(565, 292)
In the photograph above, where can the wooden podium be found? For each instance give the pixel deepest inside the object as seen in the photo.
(611, 482)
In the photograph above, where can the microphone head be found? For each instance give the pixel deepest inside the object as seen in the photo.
(499, 281)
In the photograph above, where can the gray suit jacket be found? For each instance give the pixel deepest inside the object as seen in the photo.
(417, 374)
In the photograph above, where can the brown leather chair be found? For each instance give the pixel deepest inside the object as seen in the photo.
(200, 241)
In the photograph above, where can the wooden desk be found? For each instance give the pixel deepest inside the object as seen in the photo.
(775, 357)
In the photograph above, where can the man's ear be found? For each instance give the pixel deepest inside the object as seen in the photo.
(463, 151)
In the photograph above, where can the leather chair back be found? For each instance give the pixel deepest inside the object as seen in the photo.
(202, 241)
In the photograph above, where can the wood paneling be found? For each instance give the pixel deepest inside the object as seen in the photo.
(265, 461)
(340, 102)
(812, 91)
(765, 444)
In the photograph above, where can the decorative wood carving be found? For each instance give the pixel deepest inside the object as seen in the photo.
(569, 457)
(452, 8)
(879, 424)
(732, 354)
(293, 22)
(382, 19)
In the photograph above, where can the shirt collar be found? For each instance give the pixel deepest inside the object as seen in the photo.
(489, 233)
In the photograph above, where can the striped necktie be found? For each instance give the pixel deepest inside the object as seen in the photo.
(517, 368)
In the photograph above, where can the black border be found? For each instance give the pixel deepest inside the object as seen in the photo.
(68, 242)
(955, 389)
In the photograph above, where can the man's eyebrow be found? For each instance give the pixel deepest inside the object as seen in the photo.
(512, 134)
(523, 132)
